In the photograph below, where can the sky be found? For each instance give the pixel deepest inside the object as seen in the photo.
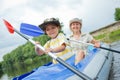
(95, 14)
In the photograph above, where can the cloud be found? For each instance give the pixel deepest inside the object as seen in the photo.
(97, 13)
(6, 4)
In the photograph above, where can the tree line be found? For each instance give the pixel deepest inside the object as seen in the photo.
(23, 59)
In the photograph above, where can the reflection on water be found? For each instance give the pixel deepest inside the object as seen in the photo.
(5, 77)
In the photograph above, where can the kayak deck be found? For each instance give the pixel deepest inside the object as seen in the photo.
(94, 61)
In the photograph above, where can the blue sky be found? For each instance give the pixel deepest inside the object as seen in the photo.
(94, 13)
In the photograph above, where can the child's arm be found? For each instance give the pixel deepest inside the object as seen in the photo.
(96, 43)
(38, 50)
(57, 49)
(93, 41)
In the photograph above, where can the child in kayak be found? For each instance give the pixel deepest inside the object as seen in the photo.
(78, 48)
(58, 43)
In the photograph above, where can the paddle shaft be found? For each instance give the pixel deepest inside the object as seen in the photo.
(110, 49)
(80, 74)
(93, 45)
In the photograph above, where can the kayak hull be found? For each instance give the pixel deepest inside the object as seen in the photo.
(98, 68)
(96, 65)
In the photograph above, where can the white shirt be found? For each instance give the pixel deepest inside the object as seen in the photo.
(76, 47)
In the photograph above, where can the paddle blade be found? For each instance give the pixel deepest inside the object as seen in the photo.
(9, 26)
(31, 30)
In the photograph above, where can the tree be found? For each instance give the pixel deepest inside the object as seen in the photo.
(23, 59)
(117, 14)
(1, 71)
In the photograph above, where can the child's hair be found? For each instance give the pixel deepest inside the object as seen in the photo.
(50, 21)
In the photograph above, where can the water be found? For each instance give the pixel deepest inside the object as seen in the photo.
(5, 77)
(115, 70)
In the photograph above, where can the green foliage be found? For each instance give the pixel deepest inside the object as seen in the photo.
(42, 39)
(1, 71)
(115, 35)
(117, 14)
(99, 36)
(23, 59)
(109, 37)
(28, 61)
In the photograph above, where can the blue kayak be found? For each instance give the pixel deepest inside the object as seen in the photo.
(91, 65)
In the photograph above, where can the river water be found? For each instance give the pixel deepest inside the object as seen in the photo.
(115, 69)
(5, 77)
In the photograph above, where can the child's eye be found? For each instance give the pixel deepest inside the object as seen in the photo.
(53, 27)
(47, 29)
(50, 28)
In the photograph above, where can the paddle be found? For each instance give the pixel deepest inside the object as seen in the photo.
(31, 31)
(93, 45)
(11, 30)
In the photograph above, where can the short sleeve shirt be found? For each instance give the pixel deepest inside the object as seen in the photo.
(59, 40)
(87, 38)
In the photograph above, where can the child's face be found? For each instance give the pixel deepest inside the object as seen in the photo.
(75, 26)
(52, 31)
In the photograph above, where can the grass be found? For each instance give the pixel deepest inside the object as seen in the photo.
(115, 35)
(100, 36)
(109, 37)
